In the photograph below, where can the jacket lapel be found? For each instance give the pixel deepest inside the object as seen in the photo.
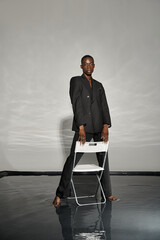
(93, 89)
(86, 83)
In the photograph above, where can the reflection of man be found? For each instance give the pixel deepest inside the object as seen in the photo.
(95, 225)
(91, 120)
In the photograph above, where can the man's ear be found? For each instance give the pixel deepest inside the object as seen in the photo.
(81, 66)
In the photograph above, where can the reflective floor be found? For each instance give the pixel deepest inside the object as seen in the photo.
(26, 210)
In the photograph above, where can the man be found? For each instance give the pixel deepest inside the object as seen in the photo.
(91, 120)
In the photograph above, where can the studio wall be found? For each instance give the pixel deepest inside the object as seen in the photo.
(41, 44)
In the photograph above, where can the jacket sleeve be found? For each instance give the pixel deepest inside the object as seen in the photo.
(105, 108)
(76, 100)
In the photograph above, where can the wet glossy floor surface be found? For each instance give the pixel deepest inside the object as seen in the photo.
(26, 210)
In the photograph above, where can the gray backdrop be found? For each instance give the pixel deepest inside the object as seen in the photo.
(41, 43)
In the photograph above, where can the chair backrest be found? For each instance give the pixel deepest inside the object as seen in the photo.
(89, 147)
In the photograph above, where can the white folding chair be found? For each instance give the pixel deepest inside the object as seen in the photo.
(90, 147)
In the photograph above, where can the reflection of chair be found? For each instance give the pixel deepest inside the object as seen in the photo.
(90, 222)
(91, 226)
(89, 147)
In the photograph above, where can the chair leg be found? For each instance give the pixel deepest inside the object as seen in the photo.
(97, 189)
(74, 190)
(86, 204)
(76, 197)
(100, 185)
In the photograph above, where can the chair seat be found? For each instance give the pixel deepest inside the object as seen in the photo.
(87, 168)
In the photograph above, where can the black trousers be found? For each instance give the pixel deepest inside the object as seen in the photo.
(63, 189)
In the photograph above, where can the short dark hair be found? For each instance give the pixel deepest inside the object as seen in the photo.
(86, 56)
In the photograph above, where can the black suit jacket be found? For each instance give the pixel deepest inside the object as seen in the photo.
(90, 106)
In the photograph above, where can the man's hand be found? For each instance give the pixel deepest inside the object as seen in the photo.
(105, 133)
(82, 134)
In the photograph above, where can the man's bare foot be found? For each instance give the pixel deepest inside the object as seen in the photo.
(56, 201)
(112, 198)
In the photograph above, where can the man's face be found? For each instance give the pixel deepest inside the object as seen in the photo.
(88, 66)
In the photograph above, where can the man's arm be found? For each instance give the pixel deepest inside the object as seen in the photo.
(106, 117)
(105, 109)
(75, 95)
(105, 133)
(82, 134)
